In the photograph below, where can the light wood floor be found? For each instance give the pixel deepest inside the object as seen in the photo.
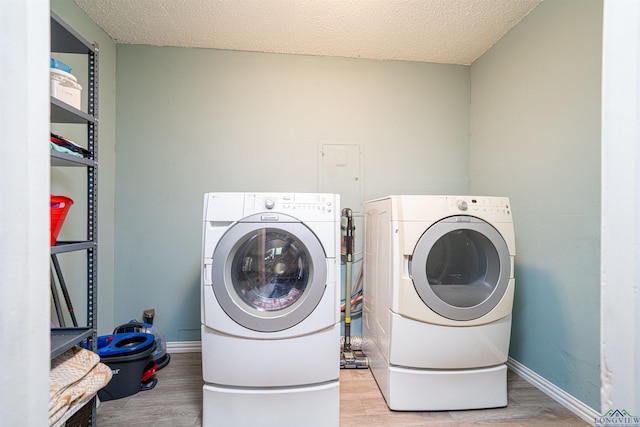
(177, 401)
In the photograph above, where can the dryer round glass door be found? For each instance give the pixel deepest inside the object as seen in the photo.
(461, 267)
(269, 277)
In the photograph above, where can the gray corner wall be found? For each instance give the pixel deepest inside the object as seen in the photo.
(535, 137)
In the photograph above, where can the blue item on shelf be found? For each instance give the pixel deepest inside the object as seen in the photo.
(59, 65)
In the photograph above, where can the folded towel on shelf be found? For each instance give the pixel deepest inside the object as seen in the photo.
(75, 375)
(56, 147)
(61, 141)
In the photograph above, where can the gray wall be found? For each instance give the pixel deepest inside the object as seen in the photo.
(535, 136)
(197, 120)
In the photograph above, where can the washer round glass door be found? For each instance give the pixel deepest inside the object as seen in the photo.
(461, 267)
(269, 276)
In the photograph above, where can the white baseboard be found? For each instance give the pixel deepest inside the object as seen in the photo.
(184, 347)
(556, 393)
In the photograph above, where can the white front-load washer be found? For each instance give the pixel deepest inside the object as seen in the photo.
(271, 309)
(438, 296)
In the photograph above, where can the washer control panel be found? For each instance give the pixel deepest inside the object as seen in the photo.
(318, 205)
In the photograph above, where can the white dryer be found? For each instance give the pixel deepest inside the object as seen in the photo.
(438, 297)
(271, 309)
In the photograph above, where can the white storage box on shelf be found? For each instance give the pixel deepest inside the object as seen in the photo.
(65, 87)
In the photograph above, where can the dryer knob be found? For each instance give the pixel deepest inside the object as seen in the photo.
(269, 203)
(462, 205)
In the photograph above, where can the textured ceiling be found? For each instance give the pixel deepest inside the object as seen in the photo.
(442, 31)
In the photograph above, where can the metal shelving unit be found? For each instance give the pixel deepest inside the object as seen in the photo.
(65, 39)
(64, 338)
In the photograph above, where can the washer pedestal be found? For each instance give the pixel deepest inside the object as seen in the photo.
(317, 405)
(243, 362)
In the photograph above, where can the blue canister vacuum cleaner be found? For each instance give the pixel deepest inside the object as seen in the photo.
(128, 355)
(134, 352)
(160, 355)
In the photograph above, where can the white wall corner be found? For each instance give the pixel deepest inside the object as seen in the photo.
(620, 201)
(24, 213)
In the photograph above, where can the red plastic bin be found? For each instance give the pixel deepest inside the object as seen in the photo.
(59, 207)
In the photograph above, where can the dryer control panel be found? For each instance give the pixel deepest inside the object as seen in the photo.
(494, 206)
